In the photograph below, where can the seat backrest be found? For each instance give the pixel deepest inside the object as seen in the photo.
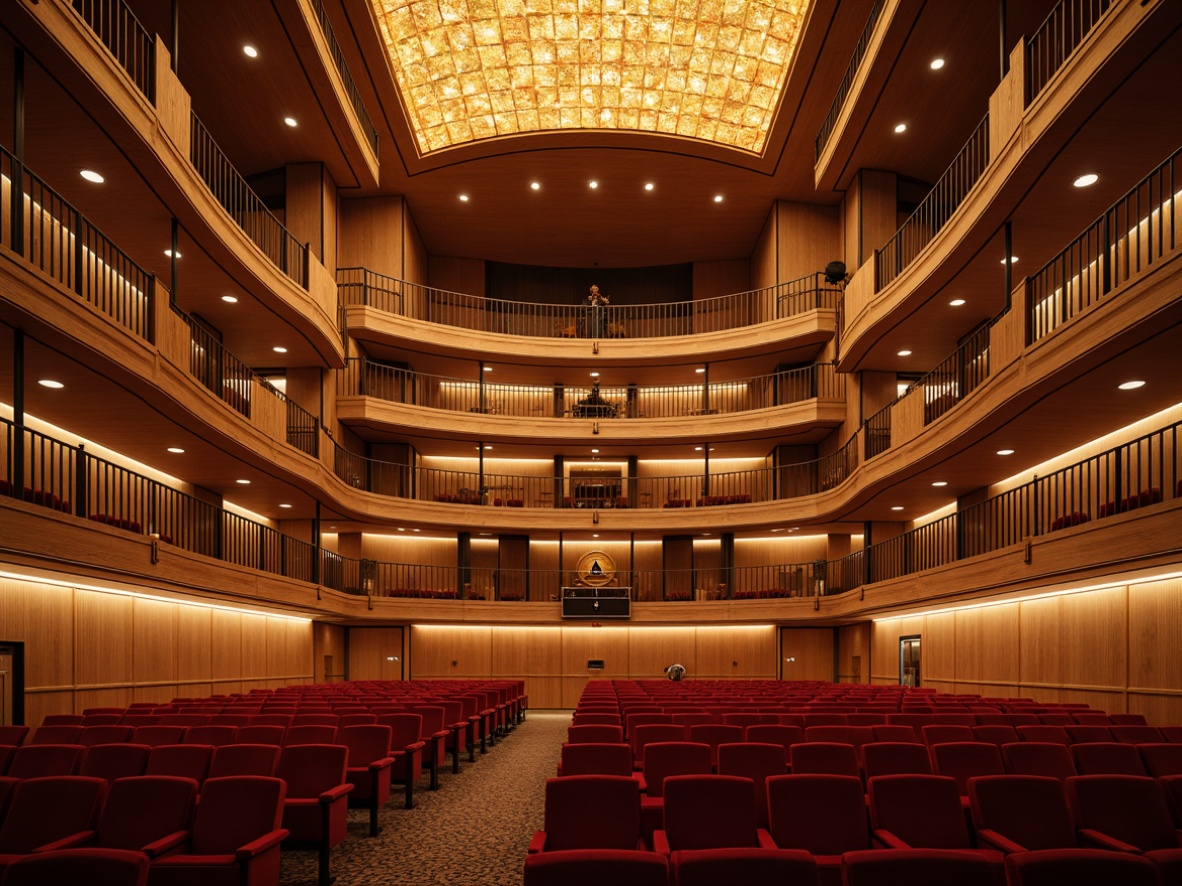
(774, 733)
(924, 811)
(311, 733)
(317, 719)
(824, 814)
(432, 718)
(592, 812)
(995, 733)
(243, 759)
(311, 769)
(184, 760)
(212, 735)
(111, 734)
(757, 762)
(631, 721)
(593, 718)
(42, 810)
(406, 729)
(595, 732)
(1162, 759)
(1134, 733)
(13, 734)
(715, 734)
(235, 811)
(1130, 808)
(144, 808)
(709, 811)
(824, 757)
(112, 761)
(918, 867)
(851, 735)
(366, 743)
(592, 867)
(1107, 758)
(1088, 733)
(92, 866)
(941, 733)
(646, 733)
(262, 733)
(157, 734)
(1027, 809)
(1050, 759)
(896, 732)
(356, 719)
(56, 733)
(41, 760)
(596, 758)
(663, 759)
(1079, 867)
(1043, 732)
(964, 759)
(896, 757)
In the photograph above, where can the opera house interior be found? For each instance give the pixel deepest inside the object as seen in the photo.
(301, 383)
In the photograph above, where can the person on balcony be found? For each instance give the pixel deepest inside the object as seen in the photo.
(597, 313)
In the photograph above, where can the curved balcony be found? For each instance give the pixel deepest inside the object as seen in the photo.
(792, 319)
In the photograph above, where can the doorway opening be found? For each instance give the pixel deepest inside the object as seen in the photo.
(909, 660)
(12, 683)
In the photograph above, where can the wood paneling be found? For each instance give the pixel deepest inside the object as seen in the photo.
(194, 646)
(435, 647)
(808, 238)
(853, 653)
(987, 646)
(371, 235)
(254, 648)
(1155, 636)
(104, 637)
(651, 650)
(370, 651)
(938, 648)
(813, 651)
(226, 651)
(1039, 651)
(155, 649)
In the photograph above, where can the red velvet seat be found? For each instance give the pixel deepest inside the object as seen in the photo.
(110, 734)
(593, 758)
(1107, 758)
(775, 733)
(244, 759)
(369, 767)
(896, 732)
(1018, 813)
(260, 734)
(406, 747)
(1161, 759)
(1135, 733)
(434, 734)
(594, 732)
(1088, 733)
(41, 760)
(755, 761)
(211, 734)
(595, 867)
(112, 761)
(648, 733)
(824, 815)
(590, 812)
(1079, 867)
(42, 811)
(750, 867)
(72, 867)
(316, 807)
(942, 733)
(825, 758)
(661, 760)
(181, 760)
(14, 734)
(963, 760)
(158, 734)
(919, 867)
(713, 734)
(54, 733)
(1124, 813)
(709, 812)
(235, 837)
(1050, 759)
(309, 733)
(895, 758)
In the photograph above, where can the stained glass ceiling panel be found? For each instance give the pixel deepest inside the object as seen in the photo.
(711, 70)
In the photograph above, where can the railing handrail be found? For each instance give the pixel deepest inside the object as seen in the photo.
(120, 44)
(1042, 43)
(847, 81)
(338, 57)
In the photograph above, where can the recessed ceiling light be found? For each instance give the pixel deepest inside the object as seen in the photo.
(904, 353)
(290, 121)
(940, 483)
(718, 198)
(463, 198)
(648, 186)
(1131, 385)
(415, 530)
(278, 350)
(1005, 452)
(595, 535)
(896, 507)
(91, 176)
(242, 482)
(176, 450)
(51, 383)
(936, 64)
(1013, 260)
(902, 127)
(250, 51)
(285, 505)
(1085, 180)
(956, 302)
(535, 186)
(168, 252)
(593, 184)
(230, 299)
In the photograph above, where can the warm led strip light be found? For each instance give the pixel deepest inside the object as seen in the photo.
(701, 69)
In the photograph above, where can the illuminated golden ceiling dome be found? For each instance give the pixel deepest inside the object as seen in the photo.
(702, 69)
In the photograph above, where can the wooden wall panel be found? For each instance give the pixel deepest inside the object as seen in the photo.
(370, 651)
(813, 650)
(226, 650)
(651, 650)
(154, 650)
(581, 644)
(194, 647)
(42, 616)
(104, 639)
(435, 647)
(1155, 633)
(454, 274)
(853, 653)
(1093, 630)
(1040, 651)
(884, 651)
(937, 650)
(808, 238)
(254, 648)
(526, 652)
(371, 235)
(716, 278)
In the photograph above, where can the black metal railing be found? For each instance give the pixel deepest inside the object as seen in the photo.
(358, 286)
(1056, 38)
(217, 369)
(957, 376)
(128, 41)
(245, 207)
(937, 207)
(58, 240)
(878, 431)
(338, 58)
(847, 81)
(1132, 234)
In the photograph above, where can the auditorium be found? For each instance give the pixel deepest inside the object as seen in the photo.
(508, 358)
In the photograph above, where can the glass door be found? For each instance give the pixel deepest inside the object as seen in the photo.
(909, 660)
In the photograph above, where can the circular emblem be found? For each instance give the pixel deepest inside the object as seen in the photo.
(596, 568)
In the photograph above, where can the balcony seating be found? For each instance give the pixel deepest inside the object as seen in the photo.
(1019, 813)
(896, 758)
(118, 522)
(44, 810)
(1107, 758)
(1075, 518)
(316, 806)
(757, 762)
(919, 867)
(70, 867)
(112, 761)
(244, 759)
(590, 812)
(1049, 759)
(369, 767)
(1079, 867)
(1142, 499)
(596, 758)
(41, 497)
(594, 867)
(113, 734)
(181, 760)
(824, 758)
(824, 815)
(235, 837)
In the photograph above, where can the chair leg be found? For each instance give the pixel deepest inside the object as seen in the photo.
(434, 770)
(324, 879)
(374, 830)
(410, 793)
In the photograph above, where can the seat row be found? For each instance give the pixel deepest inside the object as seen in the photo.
(828, 817)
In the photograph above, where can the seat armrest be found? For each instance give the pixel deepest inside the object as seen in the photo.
(639, 777)
(384, 763)
(888, 840)
(165, 844)
(335, 793)
(255, 848)
(764, 839)
(1091, 837)
(537, 842)
(661, 842)
(73, 841)
(995, 840)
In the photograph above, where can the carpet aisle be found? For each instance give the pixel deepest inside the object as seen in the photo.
(474, 830)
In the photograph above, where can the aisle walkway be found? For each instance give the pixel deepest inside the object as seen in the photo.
(474, 830)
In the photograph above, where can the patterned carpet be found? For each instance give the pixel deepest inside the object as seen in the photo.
(473, 831)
